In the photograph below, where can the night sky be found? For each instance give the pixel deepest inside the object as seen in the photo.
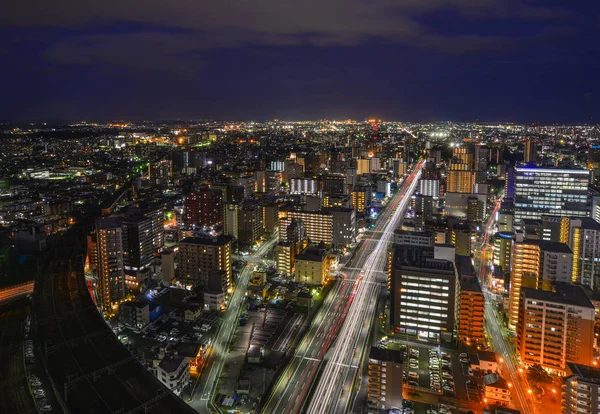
(411, 60)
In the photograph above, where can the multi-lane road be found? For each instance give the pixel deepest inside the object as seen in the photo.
(333, 392)
(343, 317)
(204, 390)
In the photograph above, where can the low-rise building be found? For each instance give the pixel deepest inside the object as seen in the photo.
(134, 314)
(312, 266)
(496, 389)
(174, 373)
(215, 300)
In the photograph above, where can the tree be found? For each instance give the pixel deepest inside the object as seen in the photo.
(538, 375)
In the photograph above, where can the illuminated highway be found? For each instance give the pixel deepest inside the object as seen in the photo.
(220, 345)
(334, 389)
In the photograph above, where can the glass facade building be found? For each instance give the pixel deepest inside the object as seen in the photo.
(551, 191)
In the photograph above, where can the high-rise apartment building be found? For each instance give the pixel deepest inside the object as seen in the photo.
(385, 378)
(110, 267)
(503, 242)
(198, 256)
(423, 295)
(138, 249)
(537, 264)
(343, 225)
(304, 186)
(460, 179)
(284, 257)
(584, 240)
(361, 198)
(470, 302)
(318, 224)
(250, 223)
(551, 191)
(555, 327)
(581, 389)
(203, 208)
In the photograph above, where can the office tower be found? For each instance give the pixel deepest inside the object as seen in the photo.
(548, 191)
(470, 303)
(200, 255)
(137, 243)
(385, 378)
(285, 257)
(292, 170)
(312, 266)
(361, 198)
(250, 223)
(503, 250)
(160, 172)
(537, 264)
(203, 208)
(584, 240)
(111, 271)
(555, 328)
(529, 150)
(318, 224)
(344, 225)
(581, 393)
(423, 295)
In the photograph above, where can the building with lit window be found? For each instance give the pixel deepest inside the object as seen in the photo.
(551, 191)
(502, 250)
(537, 264)
(284, 257)
(361, 198)
(344, 225)
(198, 256)
(304, 186)
(581, 389)
(529, 150)
(423, 294)
(203, 208)
(584, 240)
(174, 373)
(318, 224)
(471, 303)
(385, 378)
(312, 266)
(250, 223)
(555, 328)
(110, 267)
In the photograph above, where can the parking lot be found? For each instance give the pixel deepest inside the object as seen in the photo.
(436, 373)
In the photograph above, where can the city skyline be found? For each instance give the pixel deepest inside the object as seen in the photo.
(418, 61)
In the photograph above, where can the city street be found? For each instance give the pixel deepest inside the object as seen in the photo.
(204, 389)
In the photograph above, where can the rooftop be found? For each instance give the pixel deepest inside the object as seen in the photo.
(583, 372)
(564, 293)
(383, 354)
(549, 246)
(220, 240)
(171, 364)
